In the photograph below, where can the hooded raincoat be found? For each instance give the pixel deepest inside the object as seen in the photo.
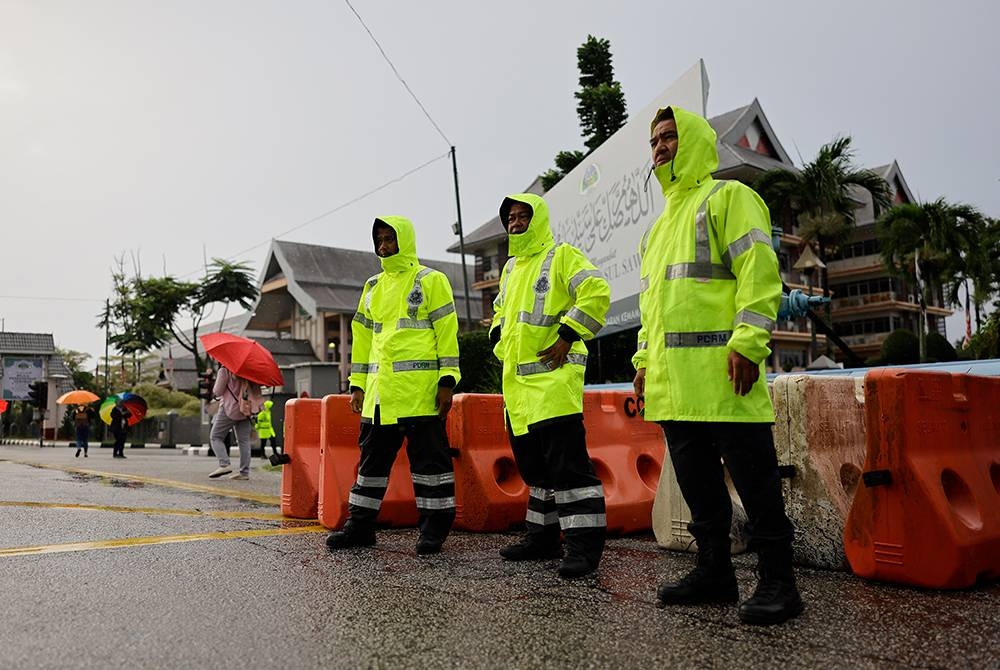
(543, 287)
(709, 285)
(263, 426)
(405, 334)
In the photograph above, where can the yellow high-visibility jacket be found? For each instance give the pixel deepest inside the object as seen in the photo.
(263, 426)
(405, 334)
(709, 284)
(544, 287)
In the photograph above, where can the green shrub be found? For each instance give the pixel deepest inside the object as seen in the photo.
(160, 400)
(481, 371)
(900, 348)
(939, 349)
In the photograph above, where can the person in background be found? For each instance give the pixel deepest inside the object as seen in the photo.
(119, 428)
(81, 421)
(265, 429)
(238, 399)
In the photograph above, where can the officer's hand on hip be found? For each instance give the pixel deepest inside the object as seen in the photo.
(443, 404)
(743, 373)
(555, 356)
(357, 401)
(639, 383)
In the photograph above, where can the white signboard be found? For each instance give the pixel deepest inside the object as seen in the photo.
(18, 375)
(606, 203)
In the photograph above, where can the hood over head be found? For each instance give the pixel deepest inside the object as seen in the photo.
(407, 240)
(697, 157)
(538, 237)
(268, 404)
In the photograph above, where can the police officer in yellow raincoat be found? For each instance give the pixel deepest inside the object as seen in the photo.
(404, 365)
(551, 299)
(709, 297)
(265, 429)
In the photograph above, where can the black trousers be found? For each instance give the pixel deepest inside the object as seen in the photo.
(747, 449)
(119, 448)
(430, 468)
(564, 492)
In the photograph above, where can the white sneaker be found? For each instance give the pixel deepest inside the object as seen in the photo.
(240, 476)
(218, 472)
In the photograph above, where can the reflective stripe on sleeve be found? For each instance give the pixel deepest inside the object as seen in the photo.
(743, 244)
(754, 319)
(711, 338)
(442, 312)
(642, 345)
(643, 284)
(364, 320)
(364, 368)
(580, 277)
(583, 521)
(448, 362)
(584, 319)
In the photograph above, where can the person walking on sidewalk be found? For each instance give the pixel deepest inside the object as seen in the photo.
(551, 299)
(119, 428)
(708, 301)
(404, 365)
(239, 399)
(265, 429)
(81, 421)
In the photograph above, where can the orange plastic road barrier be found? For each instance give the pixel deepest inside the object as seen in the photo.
(339, 429)
(928, 510)
(490, 495)
(628, 454)
(819, 431)
(300, 477)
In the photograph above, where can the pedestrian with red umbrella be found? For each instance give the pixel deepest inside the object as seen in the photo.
(246, 366)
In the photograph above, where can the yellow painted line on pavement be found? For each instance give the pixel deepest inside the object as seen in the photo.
(260, 516)
(157, 539)
(168, 483)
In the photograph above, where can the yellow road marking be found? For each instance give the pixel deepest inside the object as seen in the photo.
(168, 483)
(157, 539)
(261, 516)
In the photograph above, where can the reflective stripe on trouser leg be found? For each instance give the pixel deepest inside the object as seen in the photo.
(379, 445)
(433, 476)
(541, 510)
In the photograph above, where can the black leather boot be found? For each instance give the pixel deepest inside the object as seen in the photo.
(776, 599)
(534, 547)
(712, 580)
(351, 535)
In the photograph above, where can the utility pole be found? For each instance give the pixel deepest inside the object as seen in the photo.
(461, 239)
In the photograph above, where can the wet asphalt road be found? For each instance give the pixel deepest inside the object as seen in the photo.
(186, 572)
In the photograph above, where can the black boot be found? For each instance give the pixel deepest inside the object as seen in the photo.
(776, 599)
(351, 535)
(712, 580)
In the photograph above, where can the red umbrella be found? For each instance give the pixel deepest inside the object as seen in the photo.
(243, 357)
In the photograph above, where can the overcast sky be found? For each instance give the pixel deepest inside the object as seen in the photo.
(179, 130)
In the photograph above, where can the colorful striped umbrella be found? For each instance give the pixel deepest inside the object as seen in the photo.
(133, 402)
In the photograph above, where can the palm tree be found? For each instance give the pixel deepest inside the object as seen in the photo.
(818, 198)
(932, 243)
(981, 264)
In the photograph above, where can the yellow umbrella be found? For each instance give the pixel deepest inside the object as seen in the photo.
(77, 397)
